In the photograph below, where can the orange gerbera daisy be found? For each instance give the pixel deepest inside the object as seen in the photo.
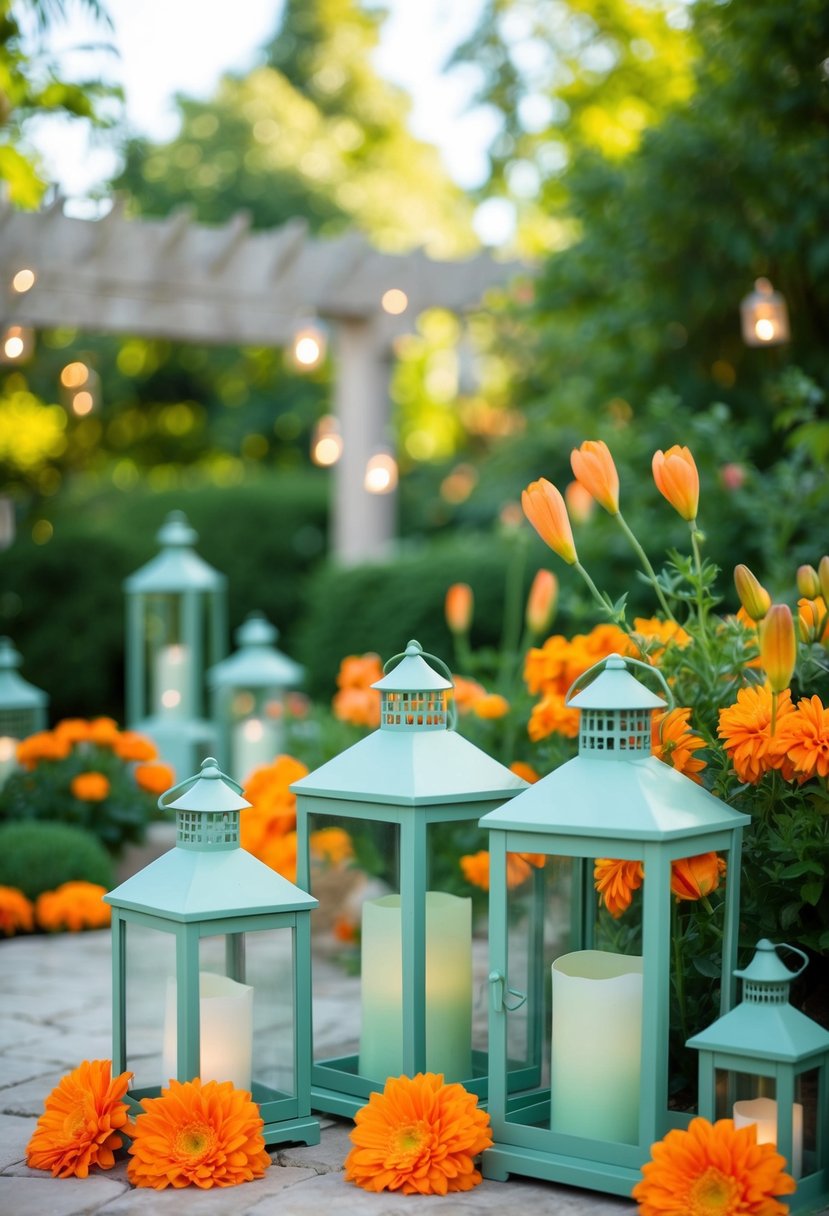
(73, 906)
(675, 743)
(713, 1170)
(81, 1122)
(745, 728)
(90, 787)
(154, 776)
(206, 1134)
(418, 1137)
(616, 881)
(803, 739)
(16, 912)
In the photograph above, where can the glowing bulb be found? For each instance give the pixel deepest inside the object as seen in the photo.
(394, 301)
(764, 329)
(170, 698)
(14, 347)
(381, 474)
(307, 351)
(327, 444)
(18, 343)
(24, 280)
(74, 375)
(83, 402)
(254, 730)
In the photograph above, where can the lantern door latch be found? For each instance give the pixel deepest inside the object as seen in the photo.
(504, 998)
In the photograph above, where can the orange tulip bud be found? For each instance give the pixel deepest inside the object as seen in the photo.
(541, 602)
(580, 502)
(677, 479)
(810, 616)
(544, 508)
(823, 575)
(808, 583)
(778, 647)
(593, 467)
(696, 877)
(458, 607)
(753, 595)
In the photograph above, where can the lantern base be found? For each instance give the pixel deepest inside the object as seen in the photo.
(338, 1088)
(293, 1131)
(502, 1160)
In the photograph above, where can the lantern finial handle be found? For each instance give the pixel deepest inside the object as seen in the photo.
(209, 771)
(617, 660)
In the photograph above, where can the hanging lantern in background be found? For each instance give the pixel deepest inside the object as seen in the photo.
(22, 708)
(326, 442)
(764, 316)
(381, 473)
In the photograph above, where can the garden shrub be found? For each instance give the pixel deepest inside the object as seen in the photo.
(37, 856)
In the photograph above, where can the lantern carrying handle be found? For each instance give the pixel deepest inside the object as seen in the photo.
(212, 770)
(799, 953)
(654, 671)
(452, 708)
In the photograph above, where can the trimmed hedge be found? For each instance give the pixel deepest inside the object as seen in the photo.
(39, 856)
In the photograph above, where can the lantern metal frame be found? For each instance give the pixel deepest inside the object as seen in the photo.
(22, 705)
(175, 598)
(614, 799)
(412, 773)
(764, 1037)
(259, 669)
(209, 886)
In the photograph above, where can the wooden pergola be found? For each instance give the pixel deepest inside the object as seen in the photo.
(174, 278)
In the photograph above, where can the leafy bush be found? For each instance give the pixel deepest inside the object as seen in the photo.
(40, 856)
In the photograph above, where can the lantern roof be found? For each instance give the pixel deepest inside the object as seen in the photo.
(615, 688)
(210, 792)
(15, 692)
(767, 967)
(636, 798)
(412, 768)
(412, 673)
(257, 663)
(177, 567)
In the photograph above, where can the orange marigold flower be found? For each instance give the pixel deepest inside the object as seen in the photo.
(696, 877)
(358, 706)
(359, 671)
(332, 845)
(43, 745)
(272, 814)
(74, 730)
(280, 853)
(526, 771)
(616, 881)
(491, 705)
(677, 479)
(552, 717)
(81, 1123)
(675, 743)
(466, 692)
(803, 738)
(458, 607)
(544, 508)
(419, 1137)
(593, 468)
(206, 1134)
(667, 633)
(130, 745)
(345, 930)
(73, 906)
(541, 602)
(713, 1170)
(16, 912)
(155, 777)
(753, 596)
(778, 647)
(103, 731)
(745, 729)
(90, 787)
(475, 868)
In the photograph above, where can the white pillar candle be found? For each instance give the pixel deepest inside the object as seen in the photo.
(254, 744)
(596, 1045)
(225, 1030)
(762, 1112)
(448, 993)
(172, 681)
(8, 757)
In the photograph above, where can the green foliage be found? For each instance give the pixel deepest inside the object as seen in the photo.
(41, 855)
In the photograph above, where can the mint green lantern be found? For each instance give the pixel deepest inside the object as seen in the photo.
(176, 625)
(211, 955)
(248, 697)
(767, 1064)
(595, 988)
(22, 708)
(409, 796)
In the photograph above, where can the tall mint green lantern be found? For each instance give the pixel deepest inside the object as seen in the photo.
(22, 708)
(248, 691)
(766, 1063)
(211, 960)
(408, 797)
(176, 624)
(594, 988)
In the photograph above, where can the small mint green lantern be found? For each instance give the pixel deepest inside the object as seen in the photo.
(766, 1063)
(248, 697)
(595, 988)
(211, 958)
(408, 798)
(22, 708)
(176, 625)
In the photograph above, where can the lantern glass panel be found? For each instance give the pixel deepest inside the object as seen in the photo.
(169, 657)
(748, 1098)
(150, 966)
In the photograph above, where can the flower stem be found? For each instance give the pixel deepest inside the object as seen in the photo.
(701, 609)
(679, 977)
(648, 568)
(597, 595)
